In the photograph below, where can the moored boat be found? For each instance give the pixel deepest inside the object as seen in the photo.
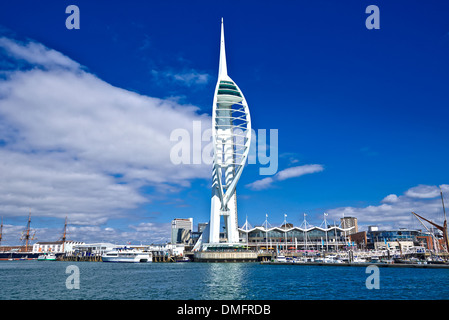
(280, 259)
(127, 255)
(47, 257)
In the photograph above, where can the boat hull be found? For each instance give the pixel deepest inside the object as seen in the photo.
(142, 259)
(18, 256)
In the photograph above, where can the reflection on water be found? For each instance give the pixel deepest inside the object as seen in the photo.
(225, 281)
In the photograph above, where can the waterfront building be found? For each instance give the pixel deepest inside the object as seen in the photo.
(288, 237)
(397, 239)
(165, 249)
(93, 249)
(202, 226)
(181, 230)
(360, 239)
(348, 222)
(55, 246)
(195, 235)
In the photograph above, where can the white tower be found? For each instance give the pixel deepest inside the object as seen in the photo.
(231, 132)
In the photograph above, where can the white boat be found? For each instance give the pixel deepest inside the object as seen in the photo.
(332, 258)
(47, 257)
(281, 259)
(298, 260)
(127, 255)
(183, 259)
(358, 259)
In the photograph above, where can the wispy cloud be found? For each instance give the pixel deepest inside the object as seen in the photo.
(288, 173)
(186, 77)
(36, 53)
(395, 211)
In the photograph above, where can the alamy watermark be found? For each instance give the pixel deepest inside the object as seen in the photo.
(73, 20)
(373, 280)
(373, 20)
(73, 280)
(196, 147)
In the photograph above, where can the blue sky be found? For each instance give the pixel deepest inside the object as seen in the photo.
(84, 113)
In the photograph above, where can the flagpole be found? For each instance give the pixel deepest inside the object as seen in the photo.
(266, 229)
(285, 231)
(325, 225)
(305, 233)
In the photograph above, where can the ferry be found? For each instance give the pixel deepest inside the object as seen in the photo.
(47, 257)
(127, 255)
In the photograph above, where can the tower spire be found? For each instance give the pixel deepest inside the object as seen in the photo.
(223, 70)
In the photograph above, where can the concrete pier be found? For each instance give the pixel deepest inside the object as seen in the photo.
(93, 258)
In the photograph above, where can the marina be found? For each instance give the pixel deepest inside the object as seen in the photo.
(282, 248)
(361, 264)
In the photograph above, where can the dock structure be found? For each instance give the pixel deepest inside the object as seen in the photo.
(79, 257)
(271, 258)
(226, 256)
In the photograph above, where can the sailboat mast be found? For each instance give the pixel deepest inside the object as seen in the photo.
(441, 228)
(442, 201)
(64, 234)
(27, 236)
(1, 231)
(445, 236)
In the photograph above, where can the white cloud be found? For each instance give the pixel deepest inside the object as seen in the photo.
(395, 211)
(36, 53)
(186, 77)
(261, 184)
(145, 233)
(423, 192)
(192, 77)
(298, 171)
(72, 144)
(391, 198)
(288, 173)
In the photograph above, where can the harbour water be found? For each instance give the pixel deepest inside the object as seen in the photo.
(30, 280)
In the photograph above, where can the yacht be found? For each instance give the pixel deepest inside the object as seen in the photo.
(332, 258)
(127, 255)
(358, 260)
(47, 257)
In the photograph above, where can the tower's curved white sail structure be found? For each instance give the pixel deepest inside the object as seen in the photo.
(231, 132)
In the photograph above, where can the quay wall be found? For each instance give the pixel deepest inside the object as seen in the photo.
(232, 256)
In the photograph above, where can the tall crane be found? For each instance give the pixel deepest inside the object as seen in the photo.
(1, 231)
